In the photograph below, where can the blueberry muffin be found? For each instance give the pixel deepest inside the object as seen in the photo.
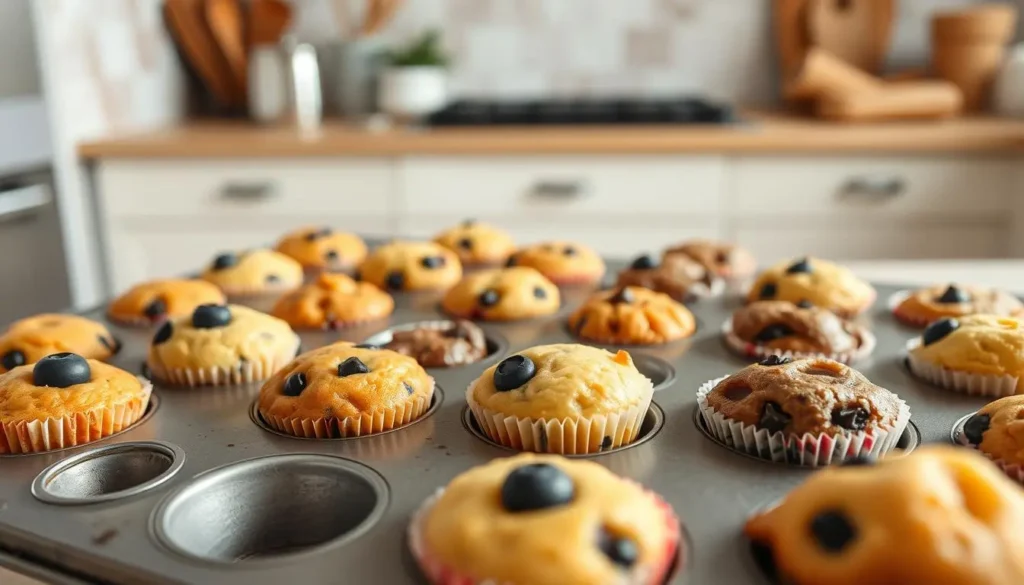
(997, 430)
(564, 263)
(412, 266)
(632, 315)
(30, 339)
(65, 400)
(333, 301)
(493, 523)
(440, 344)
(563, 398)
(153, 302)
(477, 244)
(221, 345)
(320, 249)
(818, 282)
(678, 276)
(921, 307)
(939, 516)
(343, 390)
(811, 411)
(254, 272)
(976, 354)
(779, 327)
(505, 294)
(724, 260)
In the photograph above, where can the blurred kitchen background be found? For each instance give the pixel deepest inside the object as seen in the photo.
(138, 137)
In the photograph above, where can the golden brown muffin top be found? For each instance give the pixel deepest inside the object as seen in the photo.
(477, 243)
(503, 294)
(319, 247)
(783, 325)
(819, 282)
(632, 315)
(30, 339)
(411, 266)
(333, 301)
(813, 396)
(341, 381)
(938, 516)
(953, 300)
(157, 300)
(563, 262)
(253, 272)
(998, 429)
(498, 521)
(720, 258)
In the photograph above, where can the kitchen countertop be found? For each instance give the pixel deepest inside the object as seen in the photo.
(760, 133)
(1008, 274)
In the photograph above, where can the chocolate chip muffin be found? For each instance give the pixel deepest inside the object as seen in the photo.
(343, 390)
(724, 260)
(254, 272)
(506, 294)
(412, 266)
(155, 301)
(564, 263)
(477, 244)
(220, 345)
(939, 516)
(997, 430)
(493, 523)
(441, 344)
(320, 248)
(811, 411)
(765, 328)
(333, 301)
(65, 400)
(981, 355)
(818, 282)
(923, 306)
(562, 398)
(30, 339)
(678, 276)
(632, 315)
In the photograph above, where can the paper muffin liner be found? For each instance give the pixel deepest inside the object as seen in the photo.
(37, 436)
(755, 351)
(247, 373)
(567, 436)
(248, 292)
(1014, 471)
(438, 573)
(989, 385)
(133, 321)
(808, 450)
(378, 421)
(894, 302)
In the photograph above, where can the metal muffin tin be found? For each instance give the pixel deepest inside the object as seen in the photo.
(250, 507)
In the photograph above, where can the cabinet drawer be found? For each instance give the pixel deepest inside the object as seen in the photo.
(250, 188)
(610, 238)
(786, 186)
(535, 186)
(896, 240)
(144, 250)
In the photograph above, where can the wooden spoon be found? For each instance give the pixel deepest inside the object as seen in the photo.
(856, 31)
(268, 19)
(186, 21)
(224, 18)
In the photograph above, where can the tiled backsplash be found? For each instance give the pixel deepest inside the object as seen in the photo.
(724, 48)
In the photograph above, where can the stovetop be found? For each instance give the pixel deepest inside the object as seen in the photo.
(685, 110)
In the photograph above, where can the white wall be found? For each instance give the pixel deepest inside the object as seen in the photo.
(20, 74)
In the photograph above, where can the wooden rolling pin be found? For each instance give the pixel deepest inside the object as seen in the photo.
(824, 74)
(924, 99)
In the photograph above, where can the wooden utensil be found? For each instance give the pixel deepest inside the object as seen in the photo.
(790, 35)
(187, 23)
(224, 17)
(925, 99)
(824, 74)
(268, 20)
(856, 31)
(968, 47)
(378, 14)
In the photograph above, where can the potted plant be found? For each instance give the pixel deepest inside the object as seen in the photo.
(415, 82)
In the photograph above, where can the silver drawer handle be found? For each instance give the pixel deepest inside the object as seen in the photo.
(21, 201)
(874, 189)
(559, 189)
(248, 191)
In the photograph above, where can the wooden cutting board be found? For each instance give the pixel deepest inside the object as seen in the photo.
(857, 31)
(790, 35)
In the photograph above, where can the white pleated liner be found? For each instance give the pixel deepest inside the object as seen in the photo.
(561, 436)
(808, 450)
(249, 372)
(378, 421)
(752, 350)
(76, 429)
(989, 385)
(438, 573)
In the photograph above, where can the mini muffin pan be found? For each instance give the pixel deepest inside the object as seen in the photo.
(248, 506)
